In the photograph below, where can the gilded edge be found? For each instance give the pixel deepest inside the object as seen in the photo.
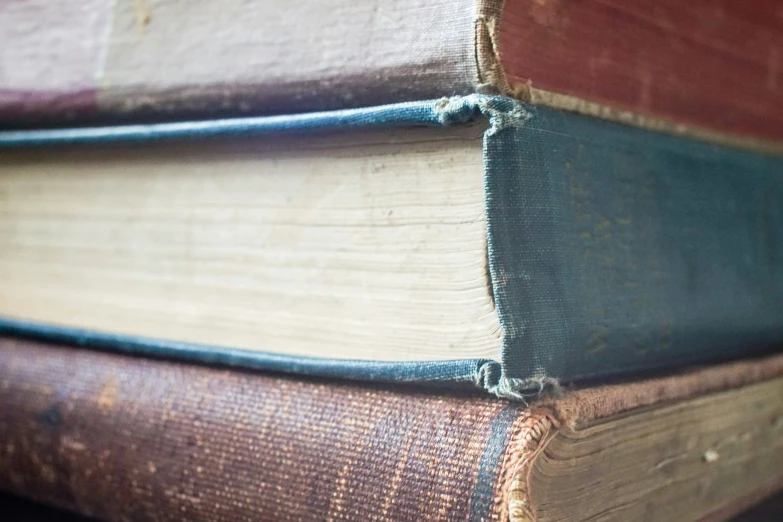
(491, 78)
(530, 434)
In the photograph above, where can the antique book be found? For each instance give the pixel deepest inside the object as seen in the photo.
(126, 438)
(703, 67)
(470, 241)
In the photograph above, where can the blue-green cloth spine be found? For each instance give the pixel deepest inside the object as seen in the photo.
(612, 250)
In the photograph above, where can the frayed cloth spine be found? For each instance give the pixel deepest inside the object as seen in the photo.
(501, 113)
(490, 377)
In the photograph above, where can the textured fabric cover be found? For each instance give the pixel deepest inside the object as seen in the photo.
(612, 250)
(132, 439)
(662, 65)
(706, 63)
(115, 60)
(125, 438)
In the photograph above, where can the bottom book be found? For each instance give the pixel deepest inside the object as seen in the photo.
(121, 438)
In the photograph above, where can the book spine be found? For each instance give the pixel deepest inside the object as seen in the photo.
(127, 438)
(617, 250)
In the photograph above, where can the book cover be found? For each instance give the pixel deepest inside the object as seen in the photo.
(128, 438)
(705, 69)
(607, 251)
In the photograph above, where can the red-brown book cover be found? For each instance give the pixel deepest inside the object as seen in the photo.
(123, 438)
(704, 68)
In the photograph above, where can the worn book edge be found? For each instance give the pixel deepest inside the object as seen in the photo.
(506, 116)
(487, 374)
(492, 79)
(476, 65)
(69, 397)
(527, 92)
(537, 426)
(490, 75)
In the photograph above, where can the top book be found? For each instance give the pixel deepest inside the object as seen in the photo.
(711, 69)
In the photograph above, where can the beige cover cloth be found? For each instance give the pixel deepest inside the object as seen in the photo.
(188, 58)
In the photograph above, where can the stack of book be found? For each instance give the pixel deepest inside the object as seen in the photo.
(391, 260)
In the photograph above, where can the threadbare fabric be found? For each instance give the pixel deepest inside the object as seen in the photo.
(110, 60)
(124, 438)
(127, 438)
(611, 251)
(51, 56)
